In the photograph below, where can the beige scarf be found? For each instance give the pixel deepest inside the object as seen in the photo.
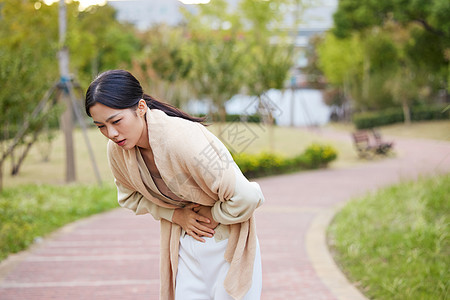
(195, 168)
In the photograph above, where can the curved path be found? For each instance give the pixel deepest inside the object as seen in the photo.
(115, 255)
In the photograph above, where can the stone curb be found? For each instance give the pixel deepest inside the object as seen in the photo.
(323, 262)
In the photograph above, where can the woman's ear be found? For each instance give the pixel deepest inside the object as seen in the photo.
(142, 108)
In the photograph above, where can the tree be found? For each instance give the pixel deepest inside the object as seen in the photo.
(27, 65)
(28, 52)
(163, 67)
(353, 15)
(403, 46)
(217, 49)
(426, 22)
(99, 42)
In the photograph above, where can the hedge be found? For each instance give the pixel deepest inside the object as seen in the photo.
(255, 118)
(265, 163)
(395, 115)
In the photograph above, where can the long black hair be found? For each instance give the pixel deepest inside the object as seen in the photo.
(120, 89)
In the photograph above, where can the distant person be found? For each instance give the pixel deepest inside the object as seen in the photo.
(166, 163)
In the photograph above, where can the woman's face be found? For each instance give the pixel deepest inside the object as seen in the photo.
(126, 127)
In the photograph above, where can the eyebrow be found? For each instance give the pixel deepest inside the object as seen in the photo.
(111, 117)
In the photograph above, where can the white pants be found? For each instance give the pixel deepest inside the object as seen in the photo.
(202, 270)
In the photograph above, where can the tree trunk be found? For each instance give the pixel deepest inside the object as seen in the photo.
(406, 112)
(1, 176)
(67, 116)
(366, 80)
(293, 107)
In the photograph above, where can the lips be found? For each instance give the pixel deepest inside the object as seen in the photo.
(121, 143)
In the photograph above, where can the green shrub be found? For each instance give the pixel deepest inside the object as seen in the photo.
(318, 155)
(395, 115)
(265, 163)
(32, 211)
(255, 118)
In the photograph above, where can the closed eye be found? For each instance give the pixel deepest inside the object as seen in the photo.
(117, 121)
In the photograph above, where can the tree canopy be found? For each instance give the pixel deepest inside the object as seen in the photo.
(354, 15)
(385, 53)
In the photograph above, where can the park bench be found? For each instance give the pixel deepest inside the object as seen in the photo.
(370, 143)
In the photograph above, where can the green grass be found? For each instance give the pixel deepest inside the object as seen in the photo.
(395, 244)
(32, 211)
(436, 130)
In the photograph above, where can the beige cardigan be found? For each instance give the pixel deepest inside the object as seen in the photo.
(196, 167)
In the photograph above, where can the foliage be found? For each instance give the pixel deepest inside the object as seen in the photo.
(163, 66)
(28, 54)
(318, 155)
(395, 115)
(267, 63)
(27, 64)
(266, 163)
(340, 59)
(386, 53)
(401, 234)
(217, 49)
(233, 52)
(354, 15)
(255, 118)
(312, 69)
(29, 39)
(28, 212)
(99, 42)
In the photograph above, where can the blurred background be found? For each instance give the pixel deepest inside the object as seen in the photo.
(288, 86)
(291, 63)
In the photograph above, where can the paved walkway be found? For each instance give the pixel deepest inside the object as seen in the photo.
(115, 255)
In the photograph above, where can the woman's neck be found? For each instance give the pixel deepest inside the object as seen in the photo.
(143, 142)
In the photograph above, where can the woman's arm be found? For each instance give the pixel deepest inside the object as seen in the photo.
(136, 202)
(239, 208)
(193, 223)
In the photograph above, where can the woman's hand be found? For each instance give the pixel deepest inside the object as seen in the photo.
(205, 211)
(195, 224)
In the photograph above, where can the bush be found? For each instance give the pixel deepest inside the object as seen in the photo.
(318, 155)
(395, 115)
(265, 163)
(255, 118)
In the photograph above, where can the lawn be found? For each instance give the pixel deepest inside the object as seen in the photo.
(33, 211)
(395, 243)
(436, 130)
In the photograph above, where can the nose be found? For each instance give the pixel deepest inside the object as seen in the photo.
(112, 133)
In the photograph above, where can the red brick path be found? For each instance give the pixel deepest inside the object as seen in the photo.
(115, 255)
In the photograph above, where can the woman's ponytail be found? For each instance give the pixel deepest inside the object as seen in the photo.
(170, 110)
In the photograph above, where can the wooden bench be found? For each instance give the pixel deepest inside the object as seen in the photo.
(370, 143)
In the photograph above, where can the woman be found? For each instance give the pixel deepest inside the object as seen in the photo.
(168, 164)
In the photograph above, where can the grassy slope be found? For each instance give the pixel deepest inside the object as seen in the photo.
(395, 244)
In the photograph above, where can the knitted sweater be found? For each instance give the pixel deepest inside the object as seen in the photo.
(198, 168)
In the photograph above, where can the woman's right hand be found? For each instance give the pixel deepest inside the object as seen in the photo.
(191, 221)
